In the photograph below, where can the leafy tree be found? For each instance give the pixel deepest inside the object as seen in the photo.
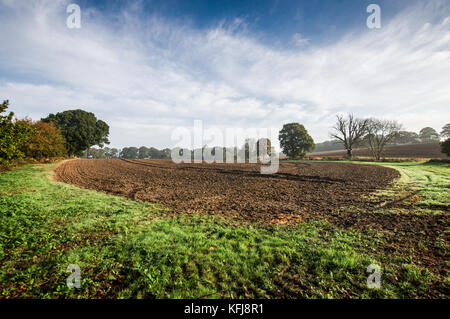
(405, 137)
(80, 129)
(47, 142)
(349, 132)
(14, 135)
(104, 152)
(379, 134)
(445, 133)
(94, 152)
(144, 152)
(129, 152)
(295, 140)
(112, 152)
(165, 153)
(429, 134)
(154, 153)
(445, 147)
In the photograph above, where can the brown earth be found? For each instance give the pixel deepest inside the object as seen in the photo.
(424, 150)
(299, 190)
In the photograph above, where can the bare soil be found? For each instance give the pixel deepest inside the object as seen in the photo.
(299, 191)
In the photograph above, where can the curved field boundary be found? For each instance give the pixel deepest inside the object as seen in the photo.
(236, 191)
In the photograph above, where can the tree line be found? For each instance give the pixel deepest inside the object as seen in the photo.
(143, 152)
(132, 152)
(376, 134)
(67, 133)
(350, 132)
(425, 135)
(75, 132)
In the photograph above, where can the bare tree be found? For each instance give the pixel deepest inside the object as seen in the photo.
(349, 131)
(380, 133)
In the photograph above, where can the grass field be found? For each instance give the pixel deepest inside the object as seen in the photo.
(135, 249)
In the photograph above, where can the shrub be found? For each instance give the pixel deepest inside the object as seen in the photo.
(48, 141)
(14, 135)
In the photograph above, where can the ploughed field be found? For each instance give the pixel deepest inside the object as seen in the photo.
(299, 191)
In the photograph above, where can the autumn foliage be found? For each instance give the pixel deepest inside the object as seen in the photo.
(14, 135)
(24, 138)
(47, 142)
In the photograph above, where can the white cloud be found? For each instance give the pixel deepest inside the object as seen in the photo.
(145, 77)
(299, 39)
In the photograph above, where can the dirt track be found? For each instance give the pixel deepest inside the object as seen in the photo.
(298, 191)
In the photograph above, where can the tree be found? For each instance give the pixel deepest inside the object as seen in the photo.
(111, 152)
(144, 152)
(14, 135)
(104, 152)
(129, 152)
(94, 152)
(47, 142)
(445, 147)
(80, 129)
(429, 134)
(379, 134)
(166, 153)
(154, 152)
(295, 140)
(445, 133)
(405, 137)
(349, 132)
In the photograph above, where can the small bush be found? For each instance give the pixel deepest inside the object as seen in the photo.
(47, 143)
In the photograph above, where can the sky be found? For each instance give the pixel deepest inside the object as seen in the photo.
(149, 67)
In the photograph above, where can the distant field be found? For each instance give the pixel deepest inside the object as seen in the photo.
(425, 150)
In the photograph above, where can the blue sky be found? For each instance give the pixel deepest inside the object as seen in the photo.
(268, 18)
(147, 67)
(271, 21)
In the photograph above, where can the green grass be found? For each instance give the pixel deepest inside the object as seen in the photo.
(430, 180)
(134, 249)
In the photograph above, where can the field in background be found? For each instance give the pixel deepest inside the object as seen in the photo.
(424, 150)
(128, 248)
